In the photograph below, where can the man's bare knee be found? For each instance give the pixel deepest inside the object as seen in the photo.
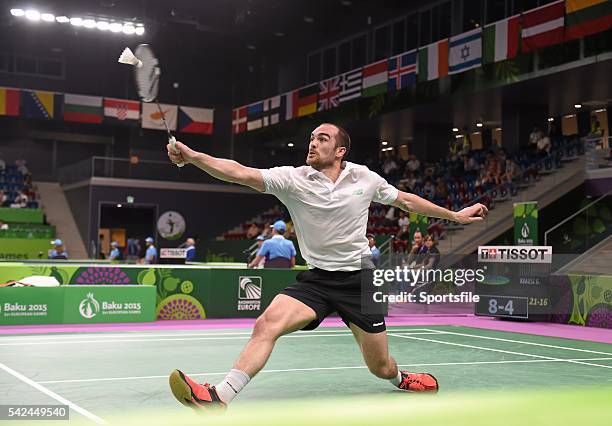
(266, 328)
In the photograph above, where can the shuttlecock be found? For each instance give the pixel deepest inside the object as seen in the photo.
(127, 57)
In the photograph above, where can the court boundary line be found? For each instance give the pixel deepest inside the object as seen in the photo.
(289, 370)
(288, 336)
(479, 336)
(496, 350)
(53, 395)
(127, 334)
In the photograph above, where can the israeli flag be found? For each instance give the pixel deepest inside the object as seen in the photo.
(465, 51)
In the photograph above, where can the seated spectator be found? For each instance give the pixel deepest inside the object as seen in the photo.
(3, 225)
(20, 201)
(543, 145)
(470, 166)
(441, 189)
(374, 250)
(252, 232)
(511, 171)
(417, 251)
(534, 136)
(21, 167)
(389, 166)
(429, 190)
(115, 253)
(413, 164)
(4, 200)
(266, 232)
(58, 252)
(432, 256)
(403, 220)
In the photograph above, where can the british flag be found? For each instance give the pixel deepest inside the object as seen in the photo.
(402, 70)
(329, 93)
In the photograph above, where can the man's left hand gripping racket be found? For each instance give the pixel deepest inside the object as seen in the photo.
(147, 73)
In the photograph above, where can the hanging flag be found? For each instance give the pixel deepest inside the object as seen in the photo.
(500, 40)
(9, 101)
(300, 102)
(39, 104)
(375, 78)
(329, 93)
(195, 120)
(121, 109)
(585, 17)
(402, 70)
(543, 26)
(263, 113)
(239, 120)
(152, 117)
(350, 85)
(83, 109)
(433, 61)
(465, 51)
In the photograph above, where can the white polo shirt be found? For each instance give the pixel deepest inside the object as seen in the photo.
(330, 219)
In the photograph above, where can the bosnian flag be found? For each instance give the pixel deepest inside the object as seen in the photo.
(195, 120)
(543, 26)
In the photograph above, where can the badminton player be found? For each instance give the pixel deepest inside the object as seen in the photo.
(328, 200)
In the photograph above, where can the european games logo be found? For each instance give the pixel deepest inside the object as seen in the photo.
(89, 307)
(249, 293)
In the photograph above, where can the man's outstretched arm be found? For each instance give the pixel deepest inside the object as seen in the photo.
(413, 203)
(222, 169)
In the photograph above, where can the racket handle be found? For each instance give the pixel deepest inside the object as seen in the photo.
(172, 141)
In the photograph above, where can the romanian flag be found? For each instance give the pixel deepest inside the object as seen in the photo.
(9, 101)
(586, 17)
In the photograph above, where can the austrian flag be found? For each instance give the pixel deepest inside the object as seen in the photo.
(543, 26)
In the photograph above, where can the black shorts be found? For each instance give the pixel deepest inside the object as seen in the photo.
(336, 291)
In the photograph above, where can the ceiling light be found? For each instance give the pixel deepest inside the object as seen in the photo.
(62, 19)
(77, 22)
(115, 27)
(32, 15)
(455, 129)
(577, 106)
(600, 110)
(102, 25)
(47, 17)
(479, 124)
(119, 205)
(290, 144)
(550, 119)
(129, 29)
(384, 143)
(89, 23)
(17, 12)
(140, 31)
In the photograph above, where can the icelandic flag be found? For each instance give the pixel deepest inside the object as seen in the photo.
(465, 51)
(402, 70)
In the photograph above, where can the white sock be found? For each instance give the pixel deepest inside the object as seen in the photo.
(397, 380)
(231, 385)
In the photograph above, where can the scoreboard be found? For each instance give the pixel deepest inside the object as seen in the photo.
(516, 283)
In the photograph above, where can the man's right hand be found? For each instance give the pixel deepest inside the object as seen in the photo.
(181, 153)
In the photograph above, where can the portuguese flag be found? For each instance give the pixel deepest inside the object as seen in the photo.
(83, 109)
(585, 17)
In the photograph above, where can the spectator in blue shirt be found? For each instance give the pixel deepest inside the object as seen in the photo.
(58, 252)
(374, 250)
(151, 253)
(191, 250)
(278, 251)
(115, 253)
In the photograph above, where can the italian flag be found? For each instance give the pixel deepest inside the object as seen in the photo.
(83, 109)
(501, 40)
(585, 17)
(375, 78)
(433, 61)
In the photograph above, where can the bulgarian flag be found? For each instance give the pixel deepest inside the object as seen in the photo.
(83, 109)
(501, 40)
(433, 61)
(375, 78)
(585, 17)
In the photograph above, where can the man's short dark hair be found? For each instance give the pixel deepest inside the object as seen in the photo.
(280, 231)
(342, 139)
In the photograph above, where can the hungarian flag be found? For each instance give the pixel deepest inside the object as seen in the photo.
(433, 61)
(239, 120)
(501, 40)
(83, 109)
(9, 101)
(543, 26)
(195, 120)
(152, 117)
(375, 78)
(121, 109)
(585, 17)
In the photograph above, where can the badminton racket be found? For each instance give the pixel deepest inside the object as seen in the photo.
(147, 74)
